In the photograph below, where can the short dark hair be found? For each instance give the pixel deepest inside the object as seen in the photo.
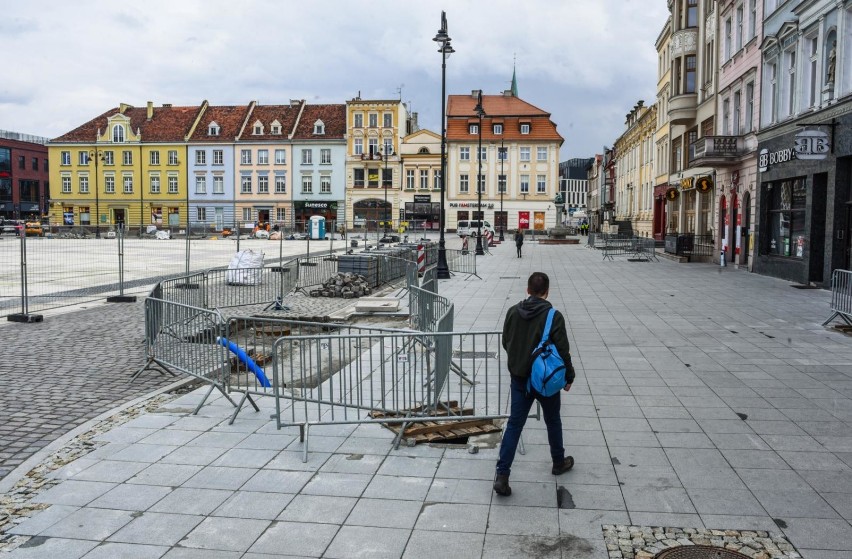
(538, 284)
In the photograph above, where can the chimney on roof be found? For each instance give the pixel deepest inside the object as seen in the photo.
(122, 107)
(294, 102)
(475, 93)
(150, 113)
(167, 105)
(507, 93)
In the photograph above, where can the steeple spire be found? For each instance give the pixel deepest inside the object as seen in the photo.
(514, 79)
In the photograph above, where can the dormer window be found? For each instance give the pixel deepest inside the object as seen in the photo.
(257, 130)
(473, 128)
(213, 129)
(276, 127)
(424, 151)
(118, 133)
(319, 127)
(498, 128)
(525, 128)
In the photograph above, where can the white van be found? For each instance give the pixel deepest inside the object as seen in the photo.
(467, 228)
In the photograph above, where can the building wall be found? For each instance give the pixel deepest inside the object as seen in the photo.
(219, 208)
(24, 189)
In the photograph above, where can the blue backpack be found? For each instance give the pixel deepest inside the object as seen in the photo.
(547, 371)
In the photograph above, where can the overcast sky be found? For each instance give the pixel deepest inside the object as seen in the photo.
(585, 62)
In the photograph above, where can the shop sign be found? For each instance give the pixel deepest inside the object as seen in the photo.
(766, 158)
(704, 184)
(671, 194)
(490, 206)
(421, 198)
(687, 183)
(523, 220)
(68, 218)
(316, 205)
(811, 144)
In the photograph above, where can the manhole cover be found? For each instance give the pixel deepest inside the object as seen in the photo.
(699, 552)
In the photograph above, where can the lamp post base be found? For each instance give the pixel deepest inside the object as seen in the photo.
(479, 249)
(502, 238)
(442, 270)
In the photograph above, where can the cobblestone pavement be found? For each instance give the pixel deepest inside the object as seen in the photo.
(58, 374)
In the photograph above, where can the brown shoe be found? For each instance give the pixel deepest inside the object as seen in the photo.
(501, 485)
(566, 464)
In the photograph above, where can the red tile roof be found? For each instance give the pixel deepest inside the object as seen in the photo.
(267, 114)
(502, 109)
(229, 118)
(333, 116)
(168, 124)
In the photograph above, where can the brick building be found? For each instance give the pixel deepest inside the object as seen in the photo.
(24, 187)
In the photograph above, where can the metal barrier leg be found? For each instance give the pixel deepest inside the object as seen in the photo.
(209, 391)
(521, 447)
(305, 449)
(246, 396)
(147, 367)
(835, 315)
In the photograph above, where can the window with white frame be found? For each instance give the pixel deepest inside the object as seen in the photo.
(424, 179)
(790, 84)
(66, 184)
(263, 184)
(689, 62)
(483, 154)
(498, 129)
(473, 128)
(464, 154)
(213, 129)
(200, 214)
(464, 184)
(729, 39)
(65, 158)
(307, 184)
(501, 183)
(109, 157)
(84, 184)
(502, 153)
(319, 128)
(173, 158)
(525, 184)
(200, 157)
(749, 108)
(280, 214)
(154, 157)
(325, 184)
(245, 156)
(275, 128)
(388, 146)
(752, 19)
(359, 120)
(525, 128)
(388, 120)
(409, 179)
(127, 157)
(118, 133)
(813, 78)
(246, 214)
(218, 157)
(436, 179)
(128, 184)
(245, 184)
(307, 157)
(373, 146)
(541, 154)
(726, 117)
(173, 184)
(263, 157)
(738, 44)
(154, 184)
(109, 184)
(218, 184)
(325, 156)
(83, 158)
(374, 120)
(359, 146)
(200, 184)
(281, 184)
(525, 153)
(280, 157)
(258, 128)
(480, 183)
(541, 184)
(771, 92)
(737, 126)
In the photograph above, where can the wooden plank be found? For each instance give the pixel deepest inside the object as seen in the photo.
(433, 428)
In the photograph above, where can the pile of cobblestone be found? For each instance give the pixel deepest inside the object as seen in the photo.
(645, 542)
(344, 285)
(16, 505)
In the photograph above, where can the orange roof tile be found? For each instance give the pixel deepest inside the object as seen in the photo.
(228, 117)
(168, 124)
(501, 109)
(267, 114)
(333, 116)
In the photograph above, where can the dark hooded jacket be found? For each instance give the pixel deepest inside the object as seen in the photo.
(522, 332)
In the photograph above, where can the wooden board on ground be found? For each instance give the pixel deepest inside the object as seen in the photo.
(420, 430)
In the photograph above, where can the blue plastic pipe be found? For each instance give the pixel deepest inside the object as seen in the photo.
(246, 360)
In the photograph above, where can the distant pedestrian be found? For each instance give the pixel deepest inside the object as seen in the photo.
(522, 332)
(519, 241)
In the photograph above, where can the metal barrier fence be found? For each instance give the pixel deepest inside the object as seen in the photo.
(635, 248)
(397, 377)
(690, 245)
(461, 261)
(841, 297)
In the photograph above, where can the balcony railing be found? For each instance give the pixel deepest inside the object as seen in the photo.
(717, 149)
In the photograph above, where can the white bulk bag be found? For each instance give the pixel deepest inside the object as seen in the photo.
(245, 268)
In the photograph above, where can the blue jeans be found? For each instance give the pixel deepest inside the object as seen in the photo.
(521, 405)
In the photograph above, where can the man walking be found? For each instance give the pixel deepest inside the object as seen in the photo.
(519, 241)
(522, 332)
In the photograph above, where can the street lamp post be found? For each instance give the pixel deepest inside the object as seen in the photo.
(480, 112)
(95, 155)
(502, 185)
(385, 154)
(446, 49)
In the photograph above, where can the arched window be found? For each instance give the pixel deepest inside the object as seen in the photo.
(213, 129)
(319, 127)
(118, 133)
(424, 150)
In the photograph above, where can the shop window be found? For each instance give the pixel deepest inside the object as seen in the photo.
(785, 219)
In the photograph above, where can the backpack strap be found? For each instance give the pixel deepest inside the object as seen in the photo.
(545, 336)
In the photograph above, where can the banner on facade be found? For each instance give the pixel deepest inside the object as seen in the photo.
(538, 221)
(523, 220)
(422, 198)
